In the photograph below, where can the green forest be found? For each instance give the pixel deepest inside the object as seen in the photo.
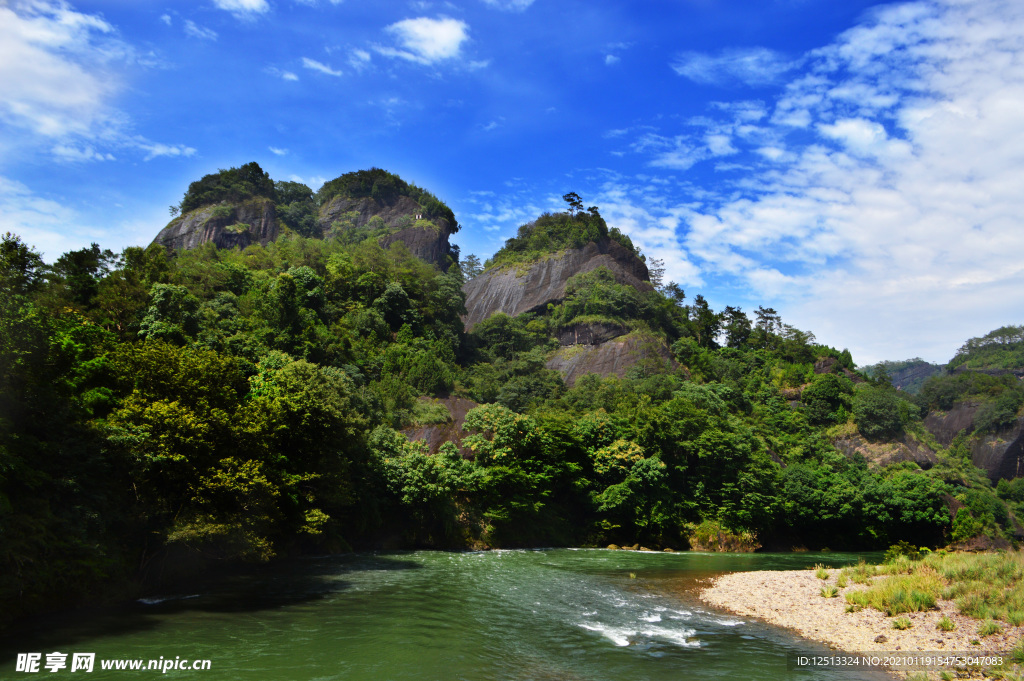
(166, 409)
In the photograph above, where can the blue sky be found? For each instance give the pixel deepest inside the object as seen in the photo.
(856, 165)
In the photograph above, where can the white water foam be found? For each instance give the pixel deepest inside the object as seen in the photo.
(624, 636)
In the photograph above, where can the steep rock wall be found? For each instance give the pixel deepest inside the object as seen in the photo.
(428, 244)
(999, 454)
(614, 357)
(886, 453)
(222, 225)
(437, 434)
(515, 292)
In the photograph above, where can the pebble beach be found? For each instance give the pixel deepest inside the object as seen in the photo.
(793, 599)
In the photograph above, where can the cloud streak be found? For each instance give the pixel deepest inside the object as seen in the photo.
(750, 66)
(314, 65)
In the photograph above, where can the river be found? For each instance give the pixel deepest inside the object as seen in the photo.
(563, 614)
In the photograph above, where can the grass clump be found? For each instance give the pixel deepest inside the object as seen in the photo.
(820, 571)
(861, 573)
(989, 628)
(901, 623)
(829, 592)
(984, 585)
(841, 581)
(945, 624)
(900, 593)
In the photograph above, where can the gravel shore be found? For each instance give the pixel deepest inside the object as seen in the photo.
(793, 599)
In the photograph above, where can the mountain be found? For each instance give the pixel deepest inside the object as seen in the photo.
(908, 375)
(242, 206)
(589, 285)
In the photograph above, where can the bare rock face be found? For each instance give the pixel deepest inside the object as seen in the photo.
(430, 243)
(590, 334)
(514, 292)
(827, 365)
(1000, 454)
(886, 453)
(450, 431)
(614, 357)
(225, 225)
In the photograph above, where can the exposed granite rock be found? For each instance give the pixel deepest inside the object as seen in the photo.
(255, 221)
(911, 377)
(222, 225)
(828, 365)
(428, 244)
(590, 334)
(399, 213)
(513, 292)
(1000, 454)
(886, 453)
(946, 425)
(613, 357)
(451, 431)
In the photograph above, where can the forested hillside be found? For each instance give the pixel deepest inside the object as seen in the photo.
(160, 408)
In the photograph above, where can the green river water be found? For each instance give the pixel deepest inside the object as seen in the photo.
(531, 614)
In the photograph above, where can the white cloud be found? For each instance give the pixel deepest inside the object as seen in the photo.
(41, 223)
(427, 41)
(314, 65)
(86, 153)
(279, 152)
(509, 5)
(359, 59)
(166, 18)
(284, 75)
(611, 59)
(750, 66)
(157, 149)
(54, 71)
(197, 31)
(883, 206)
(59, 72)
(243, 8)
(314, 182)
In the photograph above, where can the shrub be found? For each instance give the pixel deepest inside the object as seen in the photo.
(877, 412)
(902, 548)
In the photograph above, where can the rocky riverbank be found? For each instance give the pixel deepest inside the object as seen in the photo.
(793, 599)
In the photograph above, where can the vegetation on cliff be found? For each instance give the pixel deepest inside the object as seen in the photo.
(552, 232)
(297, 206)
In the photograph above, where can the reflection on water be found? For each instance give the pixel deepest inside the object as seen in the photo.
(551, 614)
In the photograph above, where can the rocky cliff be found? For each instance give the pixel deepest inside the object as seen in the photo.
(1000, 454)
(610, 357)
(225, 225)
(906, 448)
(515, 290)
(402, 217)
(436, 434)
(253, 221)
